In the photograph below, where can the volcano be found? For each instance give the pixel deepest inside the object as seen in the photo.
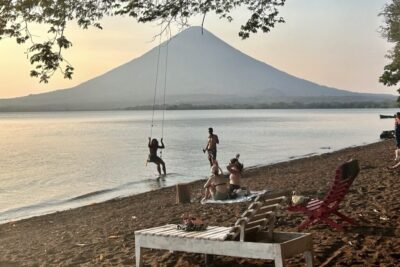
(201, 70)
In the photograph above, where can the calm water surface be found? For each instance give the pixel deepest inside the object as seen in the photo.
(56, 161)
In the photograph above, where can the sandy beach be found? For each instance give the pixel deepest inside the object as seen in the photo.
(103, 234)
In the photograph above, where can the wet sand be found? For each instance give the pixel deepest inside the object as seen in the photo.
(103, 234)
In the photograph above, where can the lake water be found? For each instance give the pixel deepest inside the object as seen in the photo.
(62, 160)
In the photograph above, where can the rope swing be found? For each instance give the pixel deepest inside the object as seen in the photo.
(155, 88)
(164, 89)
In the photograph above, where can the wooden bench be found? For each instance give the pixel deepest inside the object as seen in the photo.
(252, 236)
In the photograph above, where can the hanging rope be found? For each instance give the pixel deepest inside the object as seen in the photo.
(155, 88)
(165, 86)
(165, 89)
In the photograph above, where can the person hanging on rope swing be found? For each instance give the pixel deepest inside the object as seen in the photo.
(153, 147)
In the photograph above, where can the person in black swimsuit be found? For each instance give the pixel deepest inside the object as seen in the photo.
(153, 147)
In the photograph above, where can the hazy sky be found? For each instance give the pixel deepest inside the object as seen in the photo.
(331, 42)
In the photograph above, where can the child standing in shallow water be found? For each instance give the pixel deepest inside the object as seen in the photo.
(235, 169)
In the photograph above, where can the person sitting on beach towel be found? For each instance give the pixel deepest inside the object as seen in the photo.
(217, 185)
(235, 169)
(153, 147)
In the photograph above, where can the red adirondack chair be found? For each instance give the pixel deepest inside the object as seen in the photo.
(319, 211)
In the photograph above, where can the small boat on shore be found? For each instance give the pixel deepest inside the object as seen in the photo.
(386, 116)
(387, 134)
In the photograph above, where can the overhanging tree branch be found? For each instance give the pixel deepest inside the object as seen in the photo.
(391, 31)
(46, 56)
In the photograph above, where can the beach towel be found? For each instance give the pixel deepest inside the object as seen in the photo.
(249, 197)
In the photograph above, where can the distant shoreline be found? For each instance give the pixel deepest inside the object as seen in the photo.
(278, 105)
(183, 106)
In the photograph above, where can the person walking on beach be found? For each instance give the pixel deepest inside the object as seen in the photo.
(153, 147)
(211, 146)
(397, 135)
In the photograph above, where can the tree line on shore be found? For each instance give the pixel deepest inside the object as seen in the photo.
(277, 105)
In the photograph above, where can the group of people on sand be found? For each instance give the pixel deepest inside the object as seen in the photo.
(397, 136)
(217, 186)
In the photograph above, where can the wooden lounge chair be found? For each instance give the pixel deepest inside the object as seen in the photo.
(252, 236)
(319, 211)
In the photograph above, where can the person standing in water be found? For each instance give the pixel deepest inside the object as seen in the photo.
(211, 146)
(153, 147)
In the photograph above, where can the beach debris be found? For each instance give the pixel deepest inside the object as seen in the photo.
(350, 243)
(80, 244)
(375, 210)
(113, 236)
(361, 190)
(368, 167)
(299, 200)
(320, 194)
(134, 217)
(384, 218)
